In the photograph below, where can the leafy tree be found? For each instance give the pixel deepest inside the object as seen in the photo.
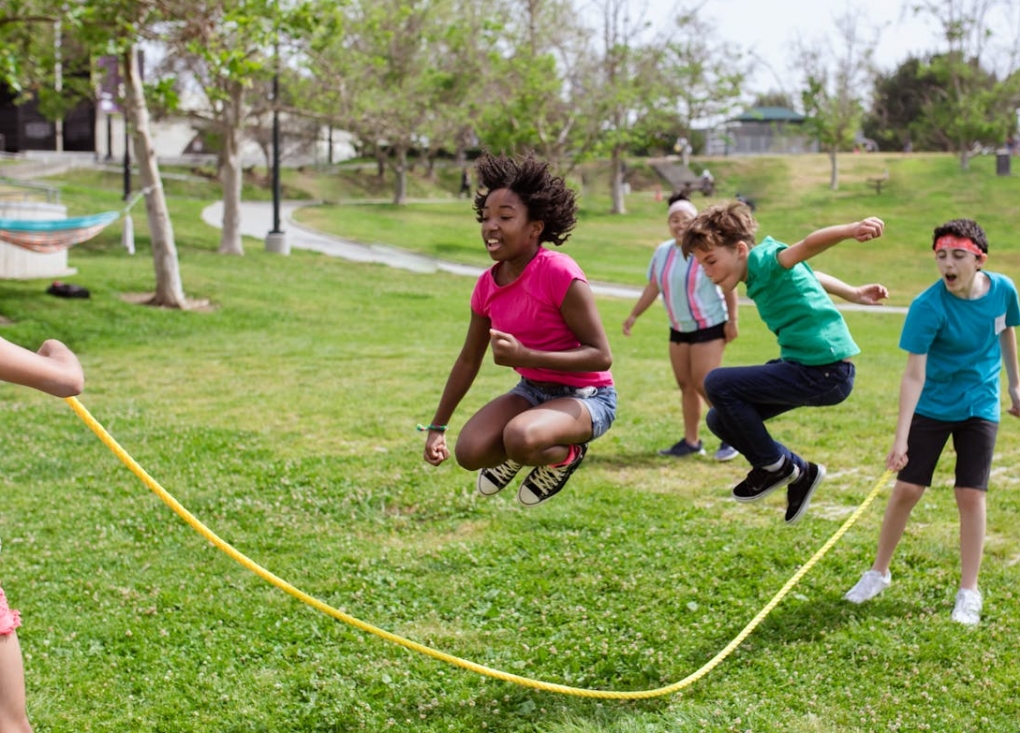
(543, 85)
(966, 104)
(897, 101)
(704, 77)
(834, 82)
(228, 49)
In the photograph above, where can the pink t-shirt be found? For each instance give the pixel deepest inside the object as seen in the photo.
(529, 308)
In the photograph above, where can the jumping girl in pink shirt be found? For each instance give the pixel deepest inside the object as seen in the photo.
(536, 310)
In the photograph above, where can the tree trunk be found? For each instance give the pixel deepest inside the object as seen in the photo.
(400, 184)
(833, 169)
(169, 290)
(616, 182)
(231, 176)
(964, 158)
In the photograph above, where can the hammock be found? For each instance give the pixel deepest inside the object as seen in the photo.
(53, 235)
(47, 236)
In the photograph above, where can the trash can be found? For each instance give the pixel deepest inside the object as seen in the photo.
(1002, 163)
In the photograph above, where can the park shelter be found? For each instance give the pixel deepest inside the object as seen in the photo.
(762, 131)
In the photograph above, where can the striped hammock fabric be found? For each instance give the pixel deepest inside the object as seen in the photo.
(53, 235)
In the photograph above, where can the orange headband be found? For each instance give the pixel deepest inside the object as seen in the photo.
(948, 241)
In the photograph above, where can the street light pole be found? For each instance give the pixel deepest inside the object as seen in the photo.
(276, 239)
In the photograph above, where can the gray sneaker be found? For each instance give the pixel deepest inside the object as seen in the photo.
(493, 480)
(726, 452)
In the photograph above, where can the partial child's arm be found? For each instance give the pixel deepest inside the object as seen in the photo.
(820, 240)
(582, 317)
(732, 303)
(462, 376)
(870, 294)
(1007, 342)
(53, 369)
(910, 393)
(648, 296)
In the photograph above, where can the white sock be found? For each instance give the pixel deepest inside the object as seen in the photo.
(775, 466)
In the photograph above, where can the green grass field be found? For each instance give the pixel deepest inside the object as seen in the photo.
(284, 419)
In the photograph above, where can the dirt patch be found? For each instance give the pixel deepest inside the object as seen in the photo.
(198, 305)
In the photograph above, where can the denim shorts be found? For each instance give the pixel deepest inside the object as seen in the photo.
(599, 401)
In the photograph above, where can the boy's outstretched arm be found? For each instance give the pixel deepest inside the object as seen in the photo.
(870, 294)
(820, 240)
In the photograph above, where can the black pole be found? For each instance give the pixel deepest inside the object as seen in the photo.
(276, 239)
(109, 137)
(127, 160)
(276, 151)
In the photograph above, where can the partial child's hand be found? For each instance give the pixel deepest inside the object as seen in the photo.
(868, 229)
(871, 294)
(1014, 398)
(435, 448)
(627, 325)
(897, 457)
(730, 331)
(506, 349)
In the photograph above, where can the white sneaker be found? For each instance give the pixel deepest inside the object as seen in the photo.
(968, 607)
(870, 585)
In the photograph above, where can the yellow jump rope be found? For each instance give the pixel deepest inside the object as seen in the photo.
(283, 585)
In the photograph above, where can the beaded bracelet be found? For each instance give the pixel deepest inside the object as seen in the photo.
(437, 428)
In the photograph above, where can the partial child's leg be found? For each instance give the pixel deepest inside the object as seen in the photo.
(743, 398)
(480, 443)
(13, 717)
(971, 505)
(544, 435)
(902, 501)
(681, 358)
(705, 357)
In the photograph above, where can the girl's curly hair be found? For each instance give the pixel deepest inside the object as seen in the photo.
(721, 225)
(964, 229)
(545, 196)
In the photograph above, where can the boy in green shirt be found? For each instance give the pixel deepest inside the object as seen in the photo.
(814, 366)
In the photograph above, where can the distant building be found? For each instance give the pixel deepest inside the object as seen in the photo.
(98, 128)
(761, 131)
(23, 127)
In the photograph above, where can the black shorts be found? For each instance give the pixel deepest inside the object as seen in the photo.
(700, 336)
(973, 441)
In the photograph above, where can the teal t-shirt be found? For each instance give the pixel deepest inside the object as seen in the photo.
(796, 308)
(961, 340)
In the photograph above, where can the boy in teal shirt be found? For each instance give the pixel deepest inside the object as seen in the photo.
(958, 334)
(814, 366)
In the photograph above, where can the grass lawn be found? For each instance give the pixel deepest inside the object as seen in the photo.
(284, 419)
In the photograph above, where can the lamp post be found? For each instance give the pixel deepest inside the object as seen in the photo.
(276, 239)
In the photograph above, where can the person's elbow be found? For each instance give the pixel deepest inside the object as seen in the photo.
(604, 360)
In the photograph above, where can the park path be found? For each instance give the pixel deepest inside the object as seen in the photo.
(257, 220)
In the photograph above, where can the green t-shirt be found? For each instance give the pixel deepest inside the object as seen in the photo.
(796, 308)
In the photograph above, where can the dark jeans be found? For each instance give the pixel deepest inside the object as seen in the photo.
(743, 398)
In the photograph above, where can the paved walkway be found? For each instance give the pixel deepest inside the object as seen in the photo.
(257, 220)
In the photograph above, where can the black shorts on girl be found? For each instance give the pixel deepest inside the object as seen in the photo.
(701, 336)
